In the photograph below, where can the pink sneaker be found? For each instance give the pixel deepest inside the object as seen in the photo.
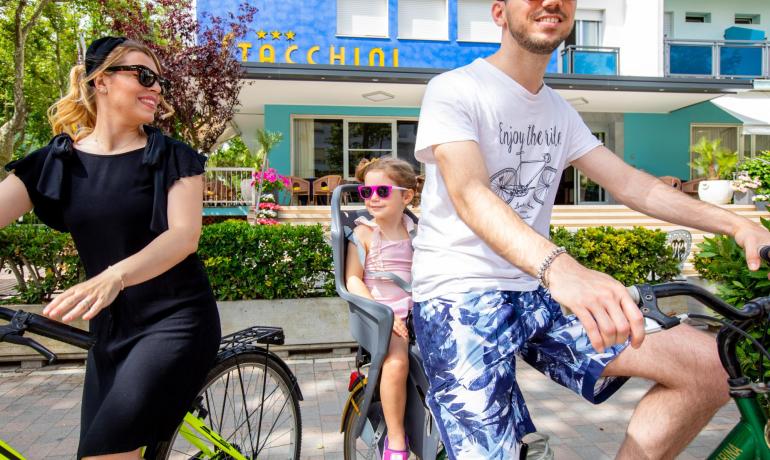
(391, 454)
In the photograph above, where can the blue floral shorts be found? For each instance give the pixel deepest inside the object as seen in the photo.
(469, 342)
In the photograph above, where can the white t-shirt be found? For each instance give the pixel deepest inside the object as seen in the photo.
(526, 140)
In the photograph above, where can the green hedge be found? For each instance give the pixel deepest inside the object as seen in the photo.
(47, 257)
(722, 261)
(266, 261)
(628, 255)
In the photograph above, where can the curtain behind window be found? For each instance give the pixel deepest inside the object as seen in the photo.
(304, 147)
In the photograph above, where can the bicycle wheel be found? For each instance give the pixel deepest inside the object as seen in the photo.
(249, 402)
(368, 445)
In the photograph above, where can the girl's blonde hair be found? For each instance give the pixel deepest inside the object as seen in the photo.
(75, 113)
(400, 171)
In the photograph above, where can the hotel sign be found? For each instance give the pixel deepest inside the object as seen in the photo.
(280, 47)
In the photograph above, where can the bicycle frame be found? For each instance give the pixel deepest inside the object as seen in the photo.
(196, 432)
(748, 440)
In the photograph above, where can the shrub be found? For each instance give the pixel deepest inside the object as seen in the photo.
(722, 261)
(630, 256)
(266, 261)
(48, 259)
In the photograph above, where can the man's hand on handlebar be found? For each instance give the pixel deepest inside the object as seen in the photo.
(751, 238)
(602, 304)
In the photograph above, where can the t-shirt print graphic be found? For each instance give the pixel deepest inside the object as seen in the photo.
(525, 184)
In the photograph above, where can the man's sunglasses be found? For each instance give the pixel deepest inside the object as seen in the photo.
(145, 76)
(383, 191)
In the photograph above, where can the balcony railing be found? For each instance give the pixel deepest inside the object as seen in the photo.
(590, 60)
(717, 58)
(228, 187)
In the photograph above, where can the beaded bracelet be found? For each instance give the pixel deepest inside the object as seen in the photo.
(547, 264)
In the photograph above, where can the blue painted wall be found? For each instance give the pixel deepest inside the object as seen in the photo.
(278, 118)
(660, 143)
(315, 23)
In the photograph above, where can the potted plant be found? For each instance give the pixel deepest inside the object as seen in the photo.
(744, 186)
(716, 164)
(757, 170)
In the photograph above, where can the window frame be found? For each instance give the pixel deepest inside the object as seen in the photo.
(738, 142)
(446, 28)
(387, 22)
(692, 14)
(754, 19)
(346, 174)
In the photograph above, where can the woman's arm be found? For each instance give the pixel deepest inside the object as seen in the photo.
(164, 252)
(15, 200)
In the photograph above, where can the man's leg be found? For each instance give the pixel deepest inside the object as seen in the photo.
(691, 385)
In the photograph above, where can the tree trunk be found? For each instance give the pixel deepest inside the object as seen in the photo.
(15, 124)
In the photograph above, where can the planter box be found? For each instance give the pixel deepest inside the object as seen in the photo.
(743, 197)
(312, 323)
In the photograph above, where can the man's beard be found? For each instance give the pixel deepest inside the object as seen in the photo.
(531, 45)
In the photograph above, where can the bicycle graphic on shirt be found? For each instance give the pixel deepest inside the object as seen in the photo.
(512, 183)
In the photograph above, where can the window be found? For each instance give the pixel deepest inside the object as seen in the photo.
(747, 19)
(362, 18)
(754, 144)
(727, 133)
(587, 30)
(697, 17)
(474, 22)
(324, 146)
(423, 19)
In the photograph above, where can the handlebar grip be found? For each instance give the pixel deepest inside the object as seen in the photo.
(764, 253)
(54, 330)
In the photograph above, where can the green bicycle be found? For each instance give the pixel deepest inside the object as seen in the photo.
(247, 409)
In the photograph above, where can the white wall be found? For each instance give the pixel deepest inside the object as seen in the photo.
(636, 27)
(722, 16)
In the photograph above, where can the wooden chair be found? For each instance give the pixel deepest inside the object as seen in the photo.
(672, 181)
(324, 186)
(299, 187)
(691, 186)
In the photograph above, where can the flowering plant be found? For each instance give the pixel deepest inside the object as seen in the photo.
(267, 211)
(743, 182)
(757, 169)
(272, 182)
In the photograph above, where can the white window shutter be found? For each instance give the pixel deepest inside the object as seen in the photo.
(474, 22)
(362, 18)
(423, 19)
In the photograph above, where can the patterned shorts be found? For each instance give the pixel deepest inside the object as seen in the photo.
(469, 342)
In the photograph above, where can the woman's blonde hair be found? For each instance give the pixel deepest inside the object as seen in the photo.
(400, 171)
(75, 113)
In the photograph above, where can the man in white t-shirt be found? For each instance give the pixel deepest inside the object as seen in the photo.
(488, 283)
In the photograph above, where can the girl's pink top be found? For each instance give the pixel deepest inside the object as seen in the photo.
(389, 256)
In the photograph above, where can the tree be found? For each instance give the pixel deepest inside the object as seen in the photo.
(25, 16)
(197, 57)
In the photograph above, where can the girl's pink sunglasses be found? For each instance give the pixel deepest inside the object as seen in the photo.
(383, 191)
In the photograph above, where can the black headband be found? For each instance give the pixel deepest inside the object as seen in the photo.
(98, 51)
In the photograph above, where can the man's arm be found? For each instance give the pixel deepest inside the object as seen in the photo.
(602, 304)
(645, 193)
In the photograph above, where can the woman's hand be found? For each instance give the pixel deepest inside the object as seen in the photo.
(86, 299)
(399, 328)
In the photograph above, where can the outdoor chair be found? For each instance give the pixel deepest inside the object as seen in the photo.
(324, 186)
(299, 187)
(691, 186)
(672, 181)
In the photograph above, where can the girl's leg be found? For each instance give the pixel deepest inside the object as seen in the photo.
(395, 370)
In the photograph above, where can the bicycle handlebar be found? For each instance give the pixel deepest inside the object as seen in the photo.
(36, 324)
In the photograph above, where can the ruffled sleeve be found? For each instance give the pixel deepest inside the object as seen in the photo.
(171, 160)
(35, 171)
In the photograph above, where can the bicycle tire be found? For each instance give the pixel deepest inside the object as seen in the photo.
(237, 428)
(362, 447)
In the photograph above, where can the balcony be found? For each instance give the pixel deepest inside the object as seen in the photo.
(717, 58)
(590, 60)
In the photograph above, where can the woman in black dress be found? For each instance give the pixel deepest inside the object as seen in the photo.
(131, 198)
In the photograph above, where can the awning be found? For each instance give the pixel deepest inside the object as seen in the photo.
(751, 107)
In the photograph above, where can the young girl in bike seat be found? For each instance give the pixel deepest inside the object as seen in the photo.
(379, 267)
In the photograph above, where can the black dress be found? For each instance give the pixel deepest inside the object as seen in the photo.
(157, 340)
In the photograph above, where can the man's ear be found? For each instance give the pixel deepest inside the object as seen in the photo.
(498, 13)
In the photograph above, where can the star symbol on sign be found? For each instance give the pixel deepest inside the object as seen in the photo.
(276, 35)
(289, 35)
(261, 34)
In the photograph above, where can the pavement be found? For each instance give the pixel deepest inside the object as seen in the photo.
(40, 410)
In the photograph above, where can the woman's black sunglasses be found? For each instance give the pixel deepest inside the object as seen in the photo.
(145, 76)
